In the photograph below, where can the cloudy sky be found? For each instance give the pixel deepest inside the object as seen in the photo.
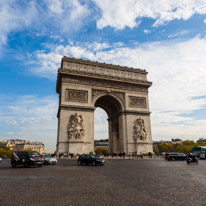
(167, 38)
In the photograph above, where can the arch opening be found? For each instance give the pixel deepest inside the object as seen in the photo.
(113, 108)
(101, 139)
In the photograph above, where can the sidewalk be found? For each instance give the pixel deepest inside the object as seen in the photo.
(114, 158)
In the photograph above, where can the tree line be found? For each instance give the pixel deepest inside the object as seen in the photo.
(183, 147)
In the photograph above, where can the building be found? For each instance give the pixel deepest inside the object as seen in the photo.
(100, 143)
(22, 145)
(201, 140)
(174, 141)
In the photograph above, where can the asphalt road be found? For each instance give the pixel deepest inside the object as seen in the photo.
(120, 182)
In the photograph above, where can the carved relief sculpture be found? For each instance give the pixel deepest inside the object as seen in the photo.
(137, 102)
(76, 95)
(139, 130)
(75, 127)
(96, 92)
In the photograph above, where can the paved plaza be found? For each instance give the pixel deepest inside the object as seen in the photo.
(120, 182)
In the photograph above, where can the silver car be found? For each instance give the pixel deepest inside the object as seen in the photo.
(48, 160)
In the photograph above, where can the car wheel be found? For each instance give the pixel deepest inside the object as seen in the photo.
(188, 162)
(79, 162)
(27, 164)
(173, 159)
(46, 163)
(13, 164)
(93, 163)
(39, 165)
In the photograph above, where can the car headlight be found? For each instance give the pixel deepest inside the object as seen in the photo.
(32, 159)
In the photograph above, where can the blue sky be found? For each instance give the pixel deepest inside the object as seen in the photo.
(167, 38)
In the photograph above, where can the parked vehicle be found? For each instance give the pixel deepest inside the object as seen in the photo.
(166, 155)
(199, 150)
(0, 159)
(90, 159)
(48, 160)
(175, 156)
(192, 159)
(26, 158)
(202, 156)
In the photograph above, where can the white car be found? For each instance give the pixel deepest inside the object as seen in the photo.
(202, 156)
(48, 160)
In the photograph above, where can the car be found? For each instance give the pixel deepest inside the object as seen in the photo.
(202, 156)
(26, 158)
(175, 156)
(48, 160)
(0, 159)
(90, 159)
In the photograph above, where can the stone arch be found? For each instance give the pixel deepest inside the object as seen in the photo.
(112, 98)
(122, 92)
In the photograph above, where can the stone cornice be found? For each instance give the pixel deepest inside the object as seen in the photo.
(133, 112)
(76, 108)
(99, 64)
(140, 86)
(86, 68)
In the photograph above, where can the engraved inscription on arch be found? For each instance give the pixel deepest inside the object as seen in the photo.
(76, 95)
(137, 102)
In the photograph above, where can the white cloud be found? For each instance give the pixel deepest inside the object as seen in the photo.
(14, 18)
(147, 31)
(205, 21)
(63, 16)
(47, 17)
(177, 70)
(30, 117)
(120, 13)
(66, 16)
(179, 33)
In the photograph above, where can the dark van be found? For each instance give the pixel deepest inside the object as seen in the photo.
(26, 158)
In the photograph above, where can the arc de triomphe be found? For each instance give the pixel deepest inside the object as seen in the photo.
(122, 92)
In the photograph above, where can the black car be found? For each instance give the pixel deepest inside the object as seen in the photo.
(90, 159)
(175, 156)
(26, 158)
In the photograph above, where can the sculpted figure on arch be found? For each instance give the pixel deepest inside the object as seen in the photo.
(75, 127)
(139, 130)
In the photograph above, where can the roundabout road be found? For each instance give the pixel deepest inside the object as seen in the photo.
(119, 182)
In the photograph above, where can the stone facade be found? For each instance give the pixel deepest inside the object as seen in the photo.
(121, 91)
(22, 145)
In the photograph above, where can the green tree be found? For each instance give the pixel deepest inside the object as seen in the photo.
(101, 150)
(5, 152)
